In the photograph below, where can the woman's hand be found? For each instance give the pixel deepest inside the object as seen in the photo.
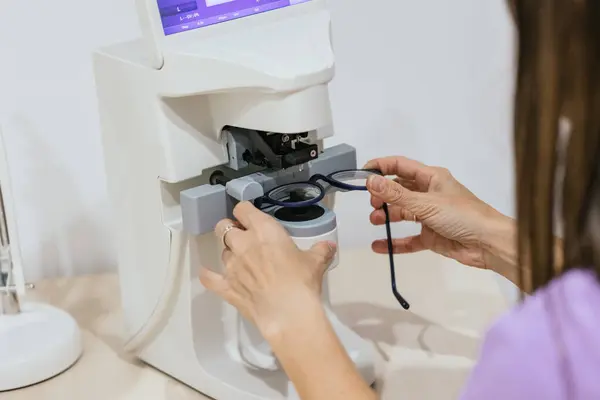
(455, 223)
(267, 278)
(278, 287)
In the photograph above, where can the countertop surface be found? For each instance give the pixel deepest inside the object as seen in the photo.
(427, 352)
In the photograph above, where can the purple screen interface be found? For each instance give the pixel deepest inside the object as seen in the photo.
(185, 15)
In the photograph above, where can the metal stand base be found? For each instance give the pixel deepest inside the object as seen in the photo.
(37, 344)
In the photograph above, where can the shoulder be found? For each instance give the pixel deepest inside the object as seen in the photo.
(532, 351)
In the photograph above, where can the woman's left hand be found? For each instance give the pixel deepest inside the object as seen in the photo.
(266, 277)
(278, 287)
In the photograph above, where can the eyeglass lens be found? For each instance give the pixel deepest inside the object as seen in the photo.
(355, 178)
(295, 193)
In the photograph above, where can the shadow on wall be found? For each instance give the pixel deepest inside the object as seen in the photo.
(60, 235)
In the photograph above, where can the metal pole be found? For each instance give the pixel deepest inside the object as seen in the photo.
(9, 299)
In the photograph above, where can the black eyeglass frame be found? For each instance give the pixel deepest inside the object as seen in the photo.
(314, 183)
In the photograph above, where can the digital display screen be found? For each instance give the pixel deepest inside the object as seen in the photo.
(184, 15)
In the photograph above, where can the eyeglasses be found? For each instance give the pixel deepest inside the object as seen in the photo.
(308, 193)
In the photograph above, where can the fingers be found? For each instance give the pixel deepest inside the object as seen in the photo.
(248, 215)
(412, 244)
(226, 256)
(217, 284)
(224, 224)
(388, 191)
(377, 203)
(400, 166)
(324, 252)
(397, 214)
(214, 282)
(408, 184)
(235, 239)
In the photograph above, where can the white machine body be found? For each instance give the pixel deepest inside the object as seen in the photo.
(177, 109)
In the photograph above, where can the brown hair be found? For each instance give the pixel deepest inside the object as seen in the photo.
(558, 77)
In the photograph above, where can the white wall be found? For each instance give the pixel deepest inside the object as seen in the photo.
(431, 80)
(48, 110)
(427, 79)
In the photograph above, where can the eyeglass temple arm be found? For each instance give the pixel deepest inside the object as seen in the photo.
(390, 244)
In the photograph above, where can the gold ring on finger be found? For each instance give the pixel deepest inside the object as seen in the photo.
(227, 229)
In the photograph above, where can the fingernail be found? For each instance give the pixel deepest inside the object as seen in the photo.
(332, 248)
(377, 183)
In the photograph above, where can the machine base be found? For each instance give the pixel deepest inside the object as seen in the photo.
(37, 344)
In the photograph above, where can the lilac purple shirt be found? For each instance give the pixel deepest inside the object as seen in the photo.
(547, 348)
